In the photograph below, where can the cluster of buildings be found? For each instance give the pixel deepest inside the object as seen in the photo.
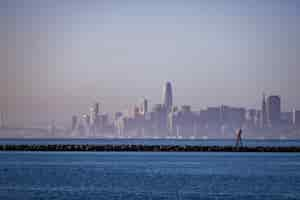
(168, 121)
(91, 124)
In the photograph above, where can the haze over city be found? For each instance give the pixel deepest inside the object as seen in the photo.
(58, 57)
(150, 99)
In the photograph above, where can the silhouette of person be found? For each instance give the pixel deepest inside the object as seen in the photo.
(239, 138)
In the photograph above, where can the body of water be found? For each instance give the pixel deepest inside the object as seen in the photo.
(180, 142)
(137, 175)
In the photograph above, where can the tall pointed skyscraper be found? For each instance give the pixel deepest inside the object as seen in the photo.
(168, 96)
(264, 119)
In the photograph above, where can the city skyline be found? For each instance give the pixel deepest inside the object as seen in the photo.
(166, 100)
(58, 57)
(165, 120)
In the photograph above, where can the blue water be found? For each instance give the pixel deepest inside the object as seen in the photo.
(135, 175)
(181, 142)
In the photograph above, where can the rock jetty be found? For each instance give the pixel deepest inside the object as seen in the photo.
(144, 148)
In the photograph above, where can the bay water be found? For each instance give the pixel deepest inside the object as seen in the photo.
(149, 175)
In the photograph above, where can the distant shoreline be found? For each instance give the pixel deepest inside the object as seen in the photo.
(144, 148)
(148, 138)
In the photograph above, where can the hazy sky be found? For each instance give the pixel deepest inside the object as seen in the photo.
(59, 56)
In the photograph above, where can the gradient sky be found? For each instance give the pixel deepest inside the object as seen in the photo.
(59, 56)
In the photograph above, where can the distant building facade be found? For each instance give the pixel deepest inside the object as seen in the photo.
(273, 110)
(74, 123)
(143, 106)
(159, 119)
(296, 118)
(168, 96)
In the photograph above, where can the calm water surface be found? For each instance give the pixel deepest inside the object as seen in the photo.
(207, 142)
(124, 175)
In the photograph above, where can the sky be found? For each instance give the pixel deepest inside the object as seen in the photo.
(57, 57)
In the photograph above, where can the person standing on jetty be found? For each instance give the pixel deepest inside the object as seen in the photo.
(239, 138)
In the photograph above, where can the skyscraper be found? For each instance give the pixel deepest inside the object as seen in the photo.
(74, 122)
(296, 117)
(273, 109)
(94, 112)
(96, 108)
(159, 117)
(144, 106)
(168, 96)
(1, 120)
(94, 118)
(264, 118)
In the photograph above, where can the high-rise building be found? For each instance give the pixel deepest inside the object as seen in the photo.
(94, 111)
(136, 112)
(211, 119)
(168, 96)
(74, 122)
(211, 115)
(96, 108)
(159, 118)
(85, 123)
(234, 117)
(118, 115)
(264, 116)
(296, 118)
(1, 120)
(185, 121)
(144, 106)
(86, 119)
(286, 118)
(273, 109)
(250, 117)
(257, 119)
(94, 118)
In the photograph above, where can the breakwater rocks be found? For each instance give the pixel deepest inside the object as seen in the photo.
(144, 148)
